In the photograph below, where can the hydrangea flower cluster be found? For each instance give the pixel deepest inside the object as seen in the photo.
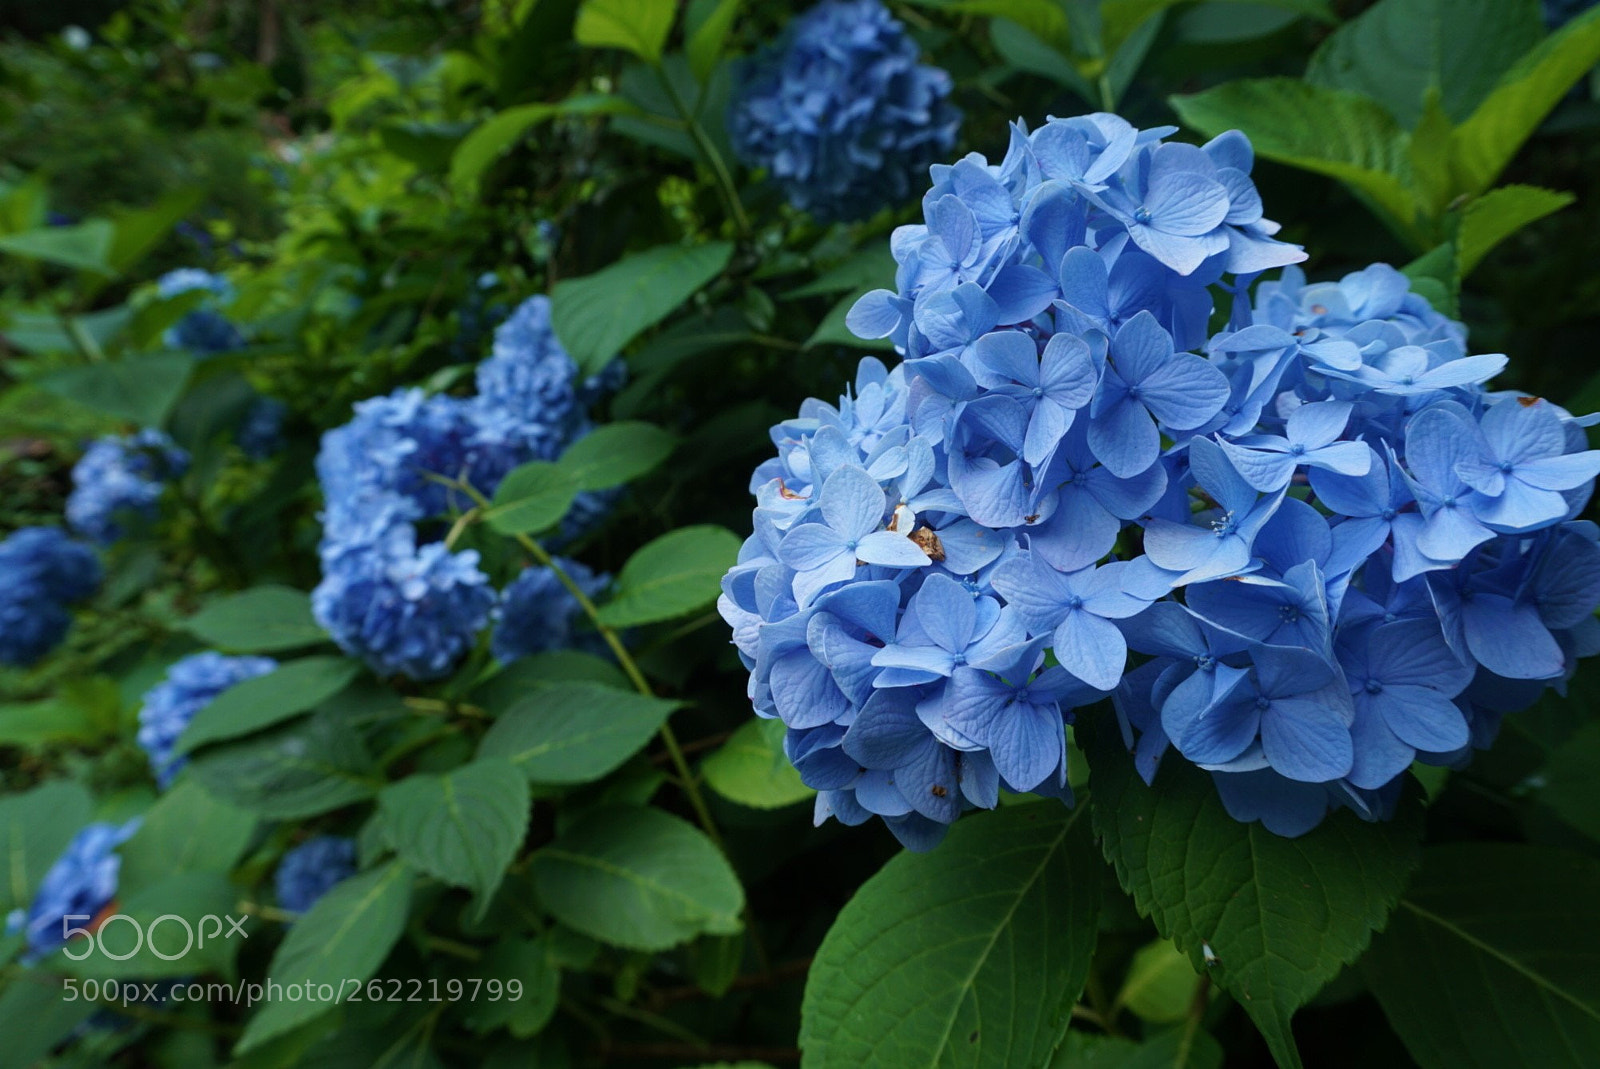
(391, 593)
(42, 573)
(81, 883)
(205, 330)
(1333, 551)
(311, 869)
(538, 613)
(840, 113)
(121, 475)
(170, 705)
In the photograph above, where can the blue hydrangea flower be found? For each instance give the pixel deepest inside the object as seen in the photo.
(205, 330)
(260, 430)
(310, 870)
(170, 705)
(119, 477)
(538, 613)
(81, 883)
(839, 112)
(42, 571)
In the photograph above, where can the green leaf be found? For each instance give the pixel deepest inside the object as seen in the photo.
(84, 709)
(85, 246)
(1353, 139)
(1279, 916)
(1572, 781)
(341, 941)
(1161, 983)
(137, 231)
(637, 878)
(834, 331)
(863, 270)
(1176, 1048)
(1397, 49)
(526, 960)
(616, 453)
(35, 827)
(502, 131)
(1498, 214)
(297, 770)
(1429, 153)
(675, 574)
(288, 690)
(532, 499)
(1025, 51)
(140, 389)
(1493, 959)
(35, 1016)
(187, 830)
(463, 827)
(1434, 276)
(637, 26)
(507, 686)
(264, 619)
(597, 315)
(574, 732)
(706, 40)
(1045, 19)
(1497, 130)
(971, 954)
(146, 947)
(751, 769)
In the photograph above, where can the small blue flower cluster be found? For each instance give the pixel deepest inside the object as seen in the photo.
(405, 604)
(205, 330)
(311, 869)
(260, 429)
(538, 613)
(42, 572)
(1336, 550)
(190, 686)
(118, 475)
(81, 883)
(840, 113)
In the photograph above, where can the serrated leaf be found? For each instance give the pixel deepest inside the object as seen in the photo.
(574, 732)
(286, 691)
(1352, 138)
(751, 769)
(263, 619)
(638, 26)
(532, 498)
(1396, 49)
(1280, 916)
(140, 389)
(1497, 130)
(971, 954)
(1499, 213)
(35, 827)
(297, 770)
(597, 315)
(616, 453)
(637, 878)
(675, 574)
(187, 830)
(527, 961)
(341, 939)
(1492, 959)
(463, 827)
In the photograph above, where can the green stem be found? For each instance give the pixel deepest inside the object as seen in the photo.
(713, 158)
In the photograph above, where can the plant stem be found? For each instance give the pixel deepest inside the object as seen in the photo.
(713, 158)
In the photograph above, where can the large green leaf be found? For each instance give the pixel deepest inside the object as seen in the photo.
(187, 830)
(145, 946)
(616, 453)
(574, 732)
(1327, 131)
(36, 1014)
(532, 498)
(502, 131)
(528, 962)
(35, 827)
(969, 955)
(264, 619)
(1277, 918)
(83, 246)
(1025, 51)
(637, 878)
(1492, 959)
(288, 690)
(1499, 213)
(140, 389)
(463, 827)
(1487, 141)
(1161, 983)
(340, 941)
(297, 770)
(675, 574)
(597, 315)
(506, 687)
(1572, 780)
(751, 769)
(1176, 1048)
(704, 41)
(638, 26)
(1394, 51)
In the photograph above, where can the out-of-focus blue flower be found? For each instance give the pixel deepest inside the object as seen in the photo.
(121, 475)
(204, 330)
(260, 429)
(538, 613)
(527, 393)
(839, 112)
(170, 705)
(310, 870)
(42, 571)
(81, 883)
